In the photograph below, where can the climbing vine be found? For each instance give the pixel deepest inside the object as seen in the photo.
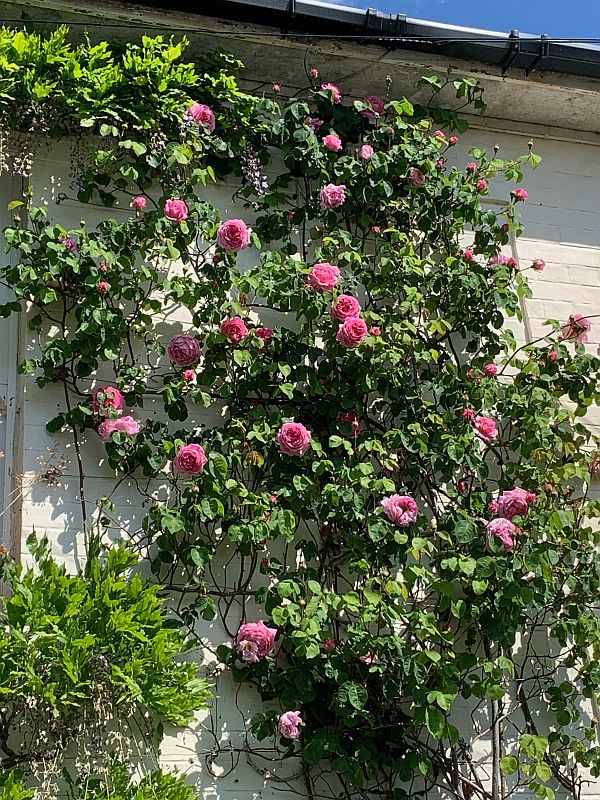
(379, 492)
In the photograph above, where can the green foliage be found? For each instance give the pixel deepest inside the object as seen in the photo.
(118, 784)
(82, 649)
(382, 629)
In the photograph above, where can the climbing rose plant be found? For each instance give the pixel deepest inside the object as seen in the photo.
(406, 490)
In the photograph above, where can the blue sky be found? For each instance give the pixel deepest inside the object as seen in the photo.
(554, 17)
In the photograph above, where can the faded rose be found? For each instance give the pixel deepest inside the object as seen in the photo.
(233, 235)
(323, 277)
(235, 329)
(538, 264)
(266, 334)
(184, 350)
(416, 177)
(202, 115)
(576, 328)
(105, 397)
(289, 724)
(345, 307)
(486, 428)
(351, 418)
(190, 459)
(255, 641)
(352, 332)
(515, 502)
(400, 509)
(176, 210)
(504, 530)
(314, 122)
(294, 439)
(335, 90)
(376, 103)
(127, 425)
(333, 196)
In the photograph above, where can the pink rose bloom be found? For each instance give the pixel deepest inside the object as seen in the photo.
(439, 135)
(576, 328)
(471, 166)
(416, 177)
(352, 419)
(493, 507)
(189, 375)
(331, 87)
(333, 196)
(366, 152)
(376, 330)
(314, 72)
(468, 254)
(502, 259)
(139, 202)
(314, 122)
(235, 329)
(515, 502)
(127, 425)
(105, 397)
(276, 87)
(376, 229)
(504, 530)
(255, 641)
(289, 724)
(400, 509)
(351, 332)
(377, 106)
(486, 428)
(103, 287)
(552, 355)
(453, 140)
(184, 350)
(266, 334)
(233, 235)
(332, 142)
(439, 164)
(519, 194)
(491, 370)
(293, 439)
(323, 277)
(482, 185)
(538, 264)
(202, 115)
(190, 459)
(70, 243)
(329, 644)
(468, 413)
(345, 307)
(176, 210)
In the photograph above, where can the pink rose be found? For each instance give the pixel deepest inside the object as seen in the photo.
(314, 72)
(176, 210)
(333, 196)
(139, 202)
(515, 502)
(70, 243)
(323, 277)
(351, 418)
(255, 641)
(471, 166)
(491, 370)
(502, 259)
(439, 164)
(552, 355)
(329, 645)
(345, 307)
(504, 530)
(493, 507)
(235, 329)
(468, 413)
(332, 142)
(314, 122)
(376, 103)
(289, 725)
(190, 459)
(416, 177)
(103, 287)
(105, 397)
(453, 140)
(127, 425)
(184, 350)
(486, 428)
(202, 115)
(335, 90)
(400, 509)
(233, 235)
(482, 185)
(439, 135)
(576, 328)
(519, 194)
(276, 87)
(376, 330)
(468, 254)
(538, 264)
(293, 439)
(351, 332)
(266, 334)
(366, 152)
(376, 229)
(188, 375)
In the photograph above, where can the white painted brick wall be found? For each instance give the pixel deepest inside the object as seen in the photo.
(563, 228)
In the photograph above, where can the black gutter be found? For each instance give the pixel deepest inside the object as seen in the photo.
(323, 20)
